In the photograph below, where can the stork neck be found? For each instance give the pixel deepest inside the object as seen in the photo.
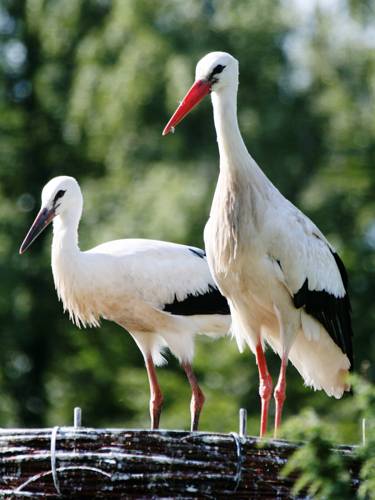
(65, 234)
(235, 159)
(233, 153)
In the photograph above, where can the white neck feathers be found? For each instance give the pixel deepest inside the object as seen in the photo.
(233, 152)
(242, 191)
(235, 160)
(70, 274)
(65, 234)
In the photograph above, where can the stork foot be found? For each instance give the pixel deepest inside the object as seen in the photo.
(279, 395)
(265, 393)
(156, 404)
(265, 388)
(156, 398)
(196, 405)
(197, 397)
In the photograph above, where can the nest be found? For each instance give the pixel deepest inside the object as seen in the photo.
(116, 463)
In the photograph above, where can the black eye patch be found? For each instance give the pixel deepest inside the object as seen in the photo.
(58, 195)
(217, 69)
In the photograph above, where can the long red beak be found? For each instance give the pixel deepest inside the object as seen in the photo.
(197, 92)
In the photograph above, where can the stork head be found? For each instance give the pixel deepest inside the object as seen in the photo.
(215, 72)
(61, 197)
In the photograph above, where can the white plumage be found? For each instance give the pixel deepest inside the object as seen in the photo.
(161, 292)
(284, 282)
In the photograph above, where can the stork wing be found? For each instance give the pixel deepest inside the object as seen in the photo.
(171, 277)
(313, 273)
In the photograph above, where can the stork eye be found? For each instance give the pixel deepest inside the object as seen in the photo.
(218, 69)
(58, 195)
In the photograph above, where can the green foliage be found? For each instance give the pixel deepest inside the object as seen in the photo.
(85, 89)
(322, 471)
(366, 402)
(367, 475)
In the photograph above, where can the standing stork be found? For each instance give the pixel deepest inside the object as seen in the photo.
(161, 293)
(284, 282)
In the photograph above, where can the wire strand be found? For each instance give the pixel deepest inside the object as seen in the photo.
(238, 476)
(55, 478)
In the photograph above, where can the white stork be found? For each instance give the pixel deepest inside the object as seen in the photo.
(161, 293)
(284, 282)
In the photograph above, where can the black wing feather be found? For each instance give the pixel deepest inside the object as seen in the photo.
(197, 251)
(210, 302)
(332, 312)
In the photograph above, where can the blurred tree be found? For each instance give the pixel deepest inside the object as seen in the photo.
(85, 90)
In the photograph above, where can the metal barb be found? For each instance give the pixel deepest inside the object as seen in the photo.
(363, 432)
(77, 417)
(243, 423)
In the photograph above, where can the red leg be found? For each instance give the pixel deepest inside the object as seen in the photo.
(265, 387)
(156, 396)
(197, 397)
(279, 393)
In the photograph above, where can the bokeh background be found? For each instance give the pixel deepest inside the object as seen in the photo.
(86, 87)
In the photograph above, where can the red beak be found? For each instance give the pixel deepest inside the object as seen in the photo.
(196, 93)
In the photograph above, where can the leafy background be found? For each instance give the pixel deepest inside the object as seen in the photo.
(86, 87)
